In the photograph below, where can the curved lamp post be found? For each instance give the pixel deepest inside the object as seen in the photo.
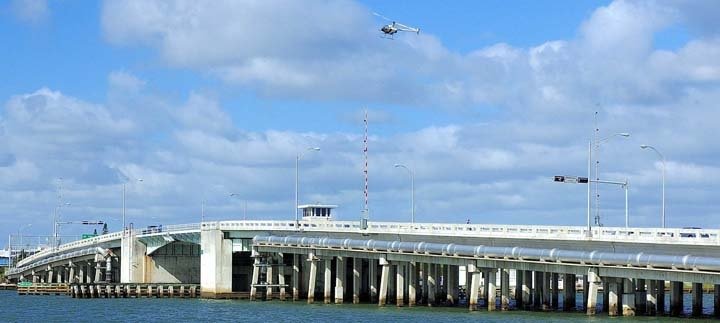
(663, 180)
(590, 147)
(412, 190)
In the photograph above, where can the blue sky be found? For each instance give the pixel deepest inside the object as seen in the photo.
(486, 104)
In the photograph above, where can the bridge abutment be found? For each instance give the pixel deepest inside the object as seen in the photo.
(216, 264)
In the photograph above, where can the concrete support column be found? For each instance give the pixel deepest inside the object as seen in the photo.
(613, 300)
(215, 263)
(81, 273)
(356, 279)
(373, 280)
(717, 301)
(526, 286)
(569, 292)
(98, 272)
(281, 279)
(586, 289)
(392, 275)
(592, 290)
(432, 284)
(59, 275)
(50, 275)
(269, 278)
(538, 289)
(424, 276)
(518, 288)
(651, 298)
(492, 289)
(546, 305)
(412, 283)
(327, 295)
(296, 277)
(255, 278)
(35, 278)
(555, 285)
(474, 286)
(640, 297)
(676, 300)
(660, 297)
(504, 289)
(400, 288)
(312, 278)
(71, 274)
(453, 283)
(384, 276)
(628, 300)
(697, 299)
(339, 280)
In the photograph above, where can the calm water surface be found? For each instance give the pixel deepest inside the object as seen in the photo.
(14, 308)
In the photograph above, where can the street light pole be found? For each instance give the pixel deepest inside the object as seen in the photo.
(297, 180)
(662, 158)
(597, 172)
(412, 190)
(244, 205)
(123, 204)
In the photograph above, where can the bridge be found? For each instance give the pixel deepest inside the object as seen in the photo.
(497, 267)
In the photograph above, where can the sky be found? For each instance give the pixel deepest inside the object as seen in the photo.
(203, 99)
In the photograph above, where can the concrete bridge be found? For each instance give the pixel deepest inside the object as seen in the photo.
(496, 266)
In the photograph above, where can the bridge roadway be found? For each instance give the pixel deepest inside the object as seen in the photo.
(403, 263)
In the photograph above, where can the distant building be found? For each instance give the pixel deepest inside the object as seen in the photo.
(317, 212)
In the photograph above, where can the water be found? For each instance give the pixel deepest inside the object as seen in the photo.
(14, 308)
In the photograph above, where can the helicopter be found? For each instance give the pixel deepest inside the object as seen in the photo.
(390, 30)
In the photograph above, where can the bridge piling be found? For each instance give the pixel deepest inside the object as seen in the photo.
(640, 297)
(651, 297)
(697, 299)
(676, 298)
(660, 288)
(296, 277)
(504, 289)
(385, 272)
(431, 283)
(453, 282)
(555, 285)
(527, 289)
(592, 290)
(412, 283)
(400, 285)
(491, 283)
(373, 280)
(340, 280)
(628, 298)
(474, 286)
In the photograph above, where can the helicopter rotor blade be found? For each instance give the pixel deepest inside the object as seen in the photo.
(381, 16)
(402, 27)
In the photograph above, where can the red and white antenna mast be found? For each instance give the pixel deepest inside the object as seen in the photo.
(366, 210)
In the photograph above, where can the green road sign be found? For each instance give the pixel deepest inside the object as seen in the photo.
(24, 284)
(88, 236)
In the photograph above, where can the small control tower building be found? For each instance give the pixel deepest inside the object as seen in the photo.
(317, 212)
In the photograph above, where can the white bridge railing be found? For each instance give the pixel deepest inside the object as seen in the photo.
(709, 237)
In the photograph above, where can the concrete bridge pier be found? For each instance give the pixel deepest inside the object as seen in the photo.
(384, 276)
(519, 289)
(339, 280)
(676, 298)
(613, 290)
(504, 289)
(640, 297)
(546, 294)
(412, 283)
(491, 283)
(312, 278)
(400, 282)
(592, 291)
(526, 286)
(569, 281)
(453, 281)
(255, 277)
(474, 286)
(651, 297)
(269, 277)
(660, 288)
(327, 281)
(49, 274)
(431, 284)
(281, 278)
(71, 272)
(373, 280)
(555, 285)
(356, 279)
(697, 299)
(295, 277)
(216, 264)
(628, 299)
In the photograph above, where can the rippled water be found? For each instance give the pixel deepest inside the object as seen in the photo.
(14, 308)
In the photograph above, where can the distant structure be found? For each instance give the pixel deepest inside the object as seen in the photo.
(317, 212)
